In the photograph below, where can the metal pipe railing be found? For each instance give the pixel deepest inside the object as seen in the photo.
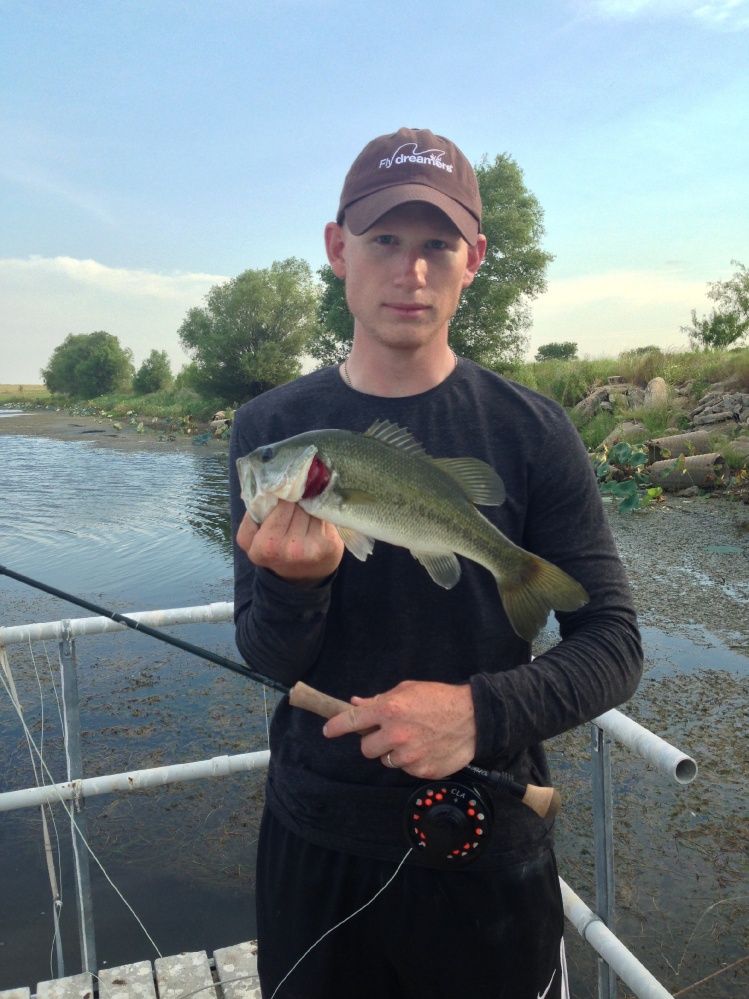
(135, 780)
(660, 754)
(52, 630)
(594, 931)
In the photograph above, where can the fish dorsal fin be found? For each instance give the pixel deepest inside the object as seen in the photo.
(479, 481)
(391, 433)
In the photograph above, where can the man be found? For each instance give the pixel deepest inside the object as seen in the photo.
(436, 678)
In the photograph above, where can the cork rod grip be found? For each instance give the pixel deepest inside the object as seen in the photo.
(545, 801)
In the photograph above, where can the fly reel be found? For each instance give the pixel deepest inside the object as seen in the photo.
(448, 822)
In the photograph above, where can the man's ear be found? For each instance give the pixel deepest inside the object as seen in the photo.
(335, 241)
(476, 254)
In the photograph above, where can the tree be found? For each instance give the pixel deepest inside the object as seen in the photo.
(557, 352)
(154, 373)
(730, 321)
(86, 365)
(331, 341)
(252, 331)
(493, 318)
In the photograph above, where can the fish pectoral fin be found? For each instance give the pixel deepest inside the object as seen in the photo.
(443, 567)
(479, 482)
(357, 543)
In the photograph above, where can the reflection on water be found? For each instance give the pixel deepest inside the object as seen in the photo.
(110, 521)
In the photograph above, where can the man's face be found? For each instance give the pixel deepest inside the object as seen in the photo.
(404, 276)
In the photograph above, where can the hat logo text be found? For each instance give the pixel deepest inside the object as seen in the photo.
(432, 157)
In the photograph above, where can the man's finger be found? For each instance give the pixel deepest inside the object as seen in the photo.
(355, 719)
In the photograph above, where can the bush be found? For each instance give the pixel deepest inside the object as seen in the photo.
(155, 373)
(88, 364)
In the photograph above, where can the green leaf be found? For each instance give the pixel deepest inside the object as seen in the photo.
(630, 503)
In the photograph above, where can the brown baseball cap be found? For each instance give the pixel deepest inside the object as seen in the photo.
(412, 164)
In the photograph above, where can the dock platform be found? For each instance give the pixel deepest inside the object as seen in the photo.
(233, 976)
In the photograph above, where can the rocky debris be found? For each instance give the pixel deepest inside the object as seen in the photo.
(622, 431)
(656, 394)
(617, 394)
(725, 405)
(721, 407)
(682, 472)
(697, 442)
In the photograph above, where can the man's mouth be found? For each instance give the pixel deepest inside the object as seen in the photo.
(406, 309)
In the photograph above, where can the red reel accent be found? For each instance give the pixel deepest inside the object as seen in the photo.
(448, 822)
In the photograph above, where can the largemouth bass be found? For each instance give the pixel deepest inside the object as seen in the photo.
(382, 486)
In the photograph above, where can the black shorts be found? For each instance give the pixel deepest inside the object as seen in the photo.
(430, 934)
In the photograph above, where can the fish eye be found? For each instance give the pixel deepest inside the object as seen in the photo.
(266, 454)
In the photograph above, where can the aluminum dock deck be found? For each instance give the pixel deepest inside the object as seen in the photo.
(231, 975)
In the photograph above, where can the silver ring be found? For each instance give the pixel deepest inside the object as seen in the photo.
(389, 762)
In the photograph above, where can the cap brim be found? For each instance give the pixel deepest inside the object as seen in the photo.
(362, 214)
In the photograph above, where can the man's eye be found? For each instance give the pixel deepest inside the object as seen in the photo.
(436, 244)
(385, 240)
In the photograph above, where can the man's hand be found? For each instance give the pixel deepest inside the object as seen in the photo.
(428, 729)
(300, 549)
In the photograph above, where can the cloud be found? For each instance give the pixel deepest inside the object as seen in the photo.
(46, 298)
(726, 15)
(617, 310)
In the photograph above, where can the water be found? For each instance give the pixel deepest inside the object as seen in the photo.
(136, 530)
(129, 530)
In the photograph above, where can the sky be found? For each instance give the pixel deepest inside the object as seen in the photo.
(150, 150)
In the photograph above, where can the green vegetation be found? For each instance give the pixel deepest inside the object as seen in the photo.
(729, 322)
(154, 374)
(620, 474)
(252, 331)
(557, 351)
(568, 382)
(85, 364)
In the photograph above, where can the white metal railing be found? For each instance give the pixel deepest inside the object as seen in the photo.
(597, 928)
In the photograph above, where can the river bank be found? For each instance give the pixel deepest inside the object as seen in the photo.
(104, 432)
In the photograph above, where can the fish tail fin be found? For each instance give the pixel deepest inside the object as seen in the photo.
(538, 588)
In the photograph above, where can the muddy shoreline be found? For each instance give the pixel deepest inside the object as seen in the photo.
(101, 431)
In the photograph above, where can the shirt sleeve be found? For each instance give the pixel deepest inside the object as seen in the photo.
(598, 662)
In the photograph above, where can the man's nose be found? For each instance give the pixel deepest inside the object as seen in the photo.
(412, 270)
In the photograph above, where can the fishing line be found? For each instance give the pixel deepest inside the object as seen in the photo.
(337, 925)
(50, 863)
(244, 978)
(55, 883)
(69, 812)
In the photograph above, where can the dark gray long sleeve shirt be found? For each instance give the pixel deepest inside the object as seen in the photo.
(382, 621)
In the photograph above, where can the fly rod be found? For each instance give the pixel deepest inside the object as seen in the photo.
(545, 801)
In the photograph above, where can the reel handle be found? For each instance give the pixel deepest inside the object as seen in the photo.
(545, 801)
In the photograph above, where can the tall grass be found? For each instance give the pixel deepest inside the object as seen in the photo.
(570, 381)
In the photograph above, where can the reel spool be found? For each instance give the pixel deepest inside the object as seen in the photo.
(448, 822)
